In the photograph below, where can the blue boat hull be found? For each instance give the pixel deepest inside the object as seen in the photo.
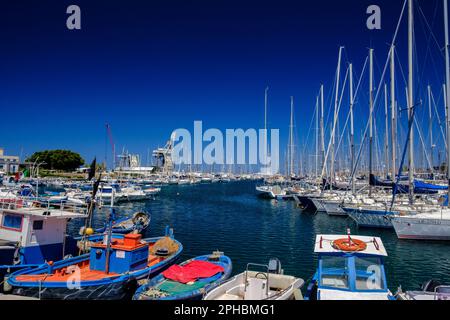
(120, 287)
(212, 282)
(122, 290)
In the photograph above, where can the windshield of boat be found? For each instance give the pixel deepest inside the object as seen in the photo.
(369, 274)
(355, 273)
(334, 272)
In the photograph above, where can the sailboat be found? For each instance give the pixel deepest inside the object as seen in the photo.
(270, 189)
(434, 222)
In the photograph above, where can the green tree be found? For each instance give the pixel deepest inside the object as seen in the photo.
(57, 159)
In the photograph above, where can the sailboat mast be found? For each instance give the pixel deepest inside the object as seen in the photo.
(444, 90)
(386, 134)
(411, 96)
(393, 115)
(322, 134)
(336, 102)
(291, 139)
(352, 133)
(266, 140)
(265, 108)
(370, 117)
(447, 97)
(430, 126)
(316, 158)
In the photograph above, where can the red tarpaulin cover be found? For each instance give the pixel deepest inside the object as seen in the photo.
(192, 271)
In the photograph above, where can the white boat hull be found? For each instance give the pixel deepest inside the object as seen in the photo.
(421, 229)
(287, 288)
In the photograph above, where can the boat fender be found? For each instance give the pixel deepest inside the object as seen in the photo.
(7, 288)
(17, 254)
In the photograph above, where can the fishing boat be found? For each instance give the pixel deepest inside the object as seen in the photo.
(349, 268)
(35, 234)
(189, 280)
(137, 223)
(270, 284)
(31, 234)
(111, 270)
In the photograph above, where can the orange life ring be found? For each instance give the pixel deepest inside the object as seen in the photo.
(350, 246)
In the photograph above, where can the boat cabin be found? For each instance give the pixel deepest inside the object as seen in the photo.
(354, 272)
(127, 254)
(39, 233)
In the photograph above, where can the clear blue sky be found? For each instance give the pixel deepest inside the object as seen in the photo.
(149, 67)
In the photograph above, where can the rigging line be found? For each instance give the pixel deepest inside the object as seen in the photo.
(429, 48)
(433, 117)
(354, 96)
(423, 144)
(439, 120)
(405, 82)
(329, 104)
(387, 60)
(310, 128)
(378, 91)
(431, 30)
(355, 100)
(333, 131)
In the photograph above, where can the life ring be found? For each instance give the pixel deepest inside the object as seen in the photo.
(349, 245)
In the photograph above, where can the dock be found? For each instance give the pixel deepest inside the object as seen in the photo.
(12, 297)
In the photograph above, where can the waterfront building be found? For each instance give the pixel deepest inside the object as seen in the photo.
(8, 164)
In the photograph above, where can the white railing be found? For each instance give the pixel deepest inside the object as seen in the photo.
(52, 206)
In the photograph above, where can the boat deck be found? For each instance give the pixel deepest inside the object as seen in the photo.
(86, 274)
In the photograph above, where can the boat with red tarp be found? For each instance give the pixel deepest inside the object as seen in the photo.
(189, 280)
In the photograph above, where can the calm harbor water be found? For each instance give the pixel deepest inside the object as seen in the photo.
(230, 218)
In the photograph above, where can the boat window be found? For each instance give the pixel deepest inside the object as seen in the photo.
(38, 225)
(12, 221)
(369, 274)
(334, 272)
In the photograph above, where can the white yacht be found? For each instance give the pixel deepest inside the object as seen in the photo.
(270, 191)
(431, 224)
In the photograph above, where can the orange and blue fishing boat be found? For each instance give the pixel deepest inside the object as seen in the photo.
(189, 280)
(111, 270)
